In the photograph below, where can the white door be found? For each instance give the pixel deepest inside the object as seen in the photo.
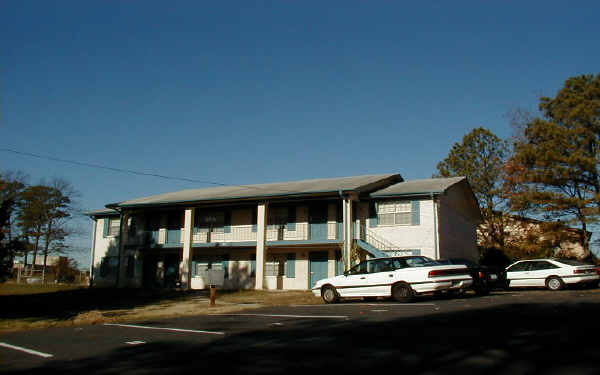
(539, 271)
(354, 284)
(518, 274)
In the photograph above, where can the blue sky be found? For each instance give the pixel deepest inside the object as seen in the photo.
(255, 92)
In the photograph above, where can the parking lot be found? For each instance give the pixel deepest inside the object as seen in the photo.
(516, 332)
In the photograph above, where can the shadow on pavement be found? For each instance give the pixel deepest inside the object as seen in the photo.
(507, 339)
(67, 304)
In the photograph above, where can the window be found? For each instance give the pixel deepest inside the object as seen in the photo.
(113, 226)
(204, 263)
(278, 217)
(394, 213)
(542, 265)
(275, 266)
(358, 269)
(213, 221)
(522, 266)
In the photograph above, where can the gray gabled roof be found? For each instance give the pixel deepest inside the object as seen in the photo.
(102, 212)
(418, 187)
(304, 188)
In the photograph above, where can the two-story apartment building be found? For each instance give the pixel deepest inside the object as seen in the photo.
(281, 235)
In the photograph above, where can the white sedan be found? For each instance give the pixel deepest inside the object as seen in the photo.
(553, 274)
(399, 277)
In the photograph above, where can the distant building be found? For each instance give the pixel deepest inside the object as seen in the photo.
(523, 232)
(282, 235)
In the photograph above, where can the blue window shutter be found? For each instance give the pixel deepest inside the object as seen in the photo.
(254, 214)
(227, 222)
(290, 265)
(373, 219)
(225, 264)
(106, 221)
(291, 222)
(416, 213)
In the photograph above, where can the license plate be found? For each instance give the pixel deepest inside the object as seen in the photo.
(493, 276)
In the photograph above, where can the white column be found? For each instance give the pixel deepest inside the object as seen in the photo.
(348, 231)
(261, 244)
(185, 269)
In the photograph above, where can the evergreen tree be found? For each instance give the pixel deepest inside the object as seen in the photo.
(481, 158)
(554, 170)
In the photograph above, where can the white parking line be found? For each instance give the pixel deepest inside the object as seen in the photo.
(136, 342)
(165, 329)
(288, 316)
(368, 304)
(28, 351)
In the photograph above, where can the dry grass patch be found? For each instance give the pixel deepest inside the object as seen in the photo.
(37, 308)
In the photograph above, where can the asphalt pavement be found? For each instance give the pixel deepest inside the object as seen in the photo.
(516, 332)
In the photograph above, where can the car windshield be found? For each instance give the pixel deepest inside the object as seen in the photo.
(572, 262)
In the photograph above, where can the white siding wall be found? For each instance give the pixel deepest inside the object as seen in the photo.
(103, 246)
(412, 236)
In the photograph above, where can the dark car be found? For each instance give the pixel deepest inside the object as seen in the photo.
(484, 278)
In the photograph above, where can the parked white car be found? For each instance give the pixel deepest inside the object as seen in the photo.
(399, 277)
(553, 274)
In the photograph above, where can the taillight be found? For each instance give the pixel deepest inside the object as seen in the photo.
(481, 275)
(578, 271)
(450, 272)
(436, 273)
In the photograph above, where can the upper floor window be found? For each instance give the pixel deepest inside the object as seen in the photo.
(278, 217)
(212, 221)
(394, 213)
(113, 226)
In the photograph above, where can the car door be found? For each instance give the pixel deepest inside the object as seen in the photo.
(354, 282)
(539, 271)
(381, 276)
(518, 274)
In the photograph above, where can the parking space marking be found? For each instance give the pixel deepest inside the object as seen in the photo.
(288, 316)
(25, 350)
(368, 304)
(164, 329)
(136, 342)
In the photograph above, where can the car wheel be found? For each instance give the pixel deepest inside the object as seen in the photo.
(402, 293)
(554, 283)
(329, 294)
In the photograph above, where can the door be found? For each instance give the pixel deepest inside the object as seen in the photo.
(318, 222)
(318, 266)
(518, 274)
(539, 271)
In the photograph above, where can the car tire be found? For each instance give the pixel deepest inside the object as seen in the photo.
(329, 294)
(554, 283)
(402, 293)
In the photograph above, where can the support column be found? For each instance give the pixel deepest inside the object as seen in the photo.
(348, 231)
(185, 269)
(261, 244)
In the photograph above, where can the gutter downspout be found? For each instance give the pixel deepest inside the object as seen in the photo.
(93, 253)
(435, 228)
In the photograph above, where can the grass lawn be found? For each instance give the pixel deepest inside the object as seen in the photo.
(42, 306)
